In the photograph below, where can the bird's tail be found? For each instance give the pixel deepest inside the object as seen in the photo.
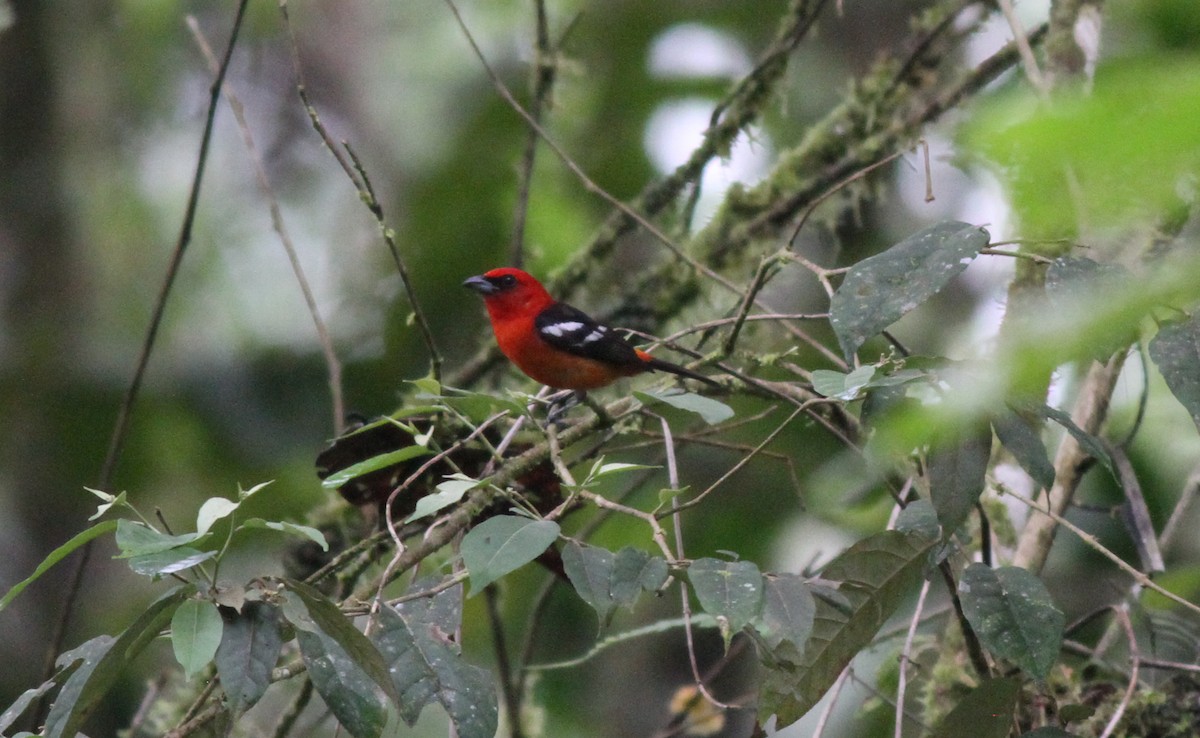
(666, 366)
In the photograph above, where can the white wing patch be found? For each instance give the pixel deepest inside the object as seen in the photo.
(558, 329)
(595, 335)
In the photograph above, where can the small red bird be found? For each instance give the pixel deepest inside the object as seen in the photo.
(556, 344)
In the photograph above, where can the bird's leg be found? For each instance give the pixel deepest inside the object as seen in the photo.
(559, 406)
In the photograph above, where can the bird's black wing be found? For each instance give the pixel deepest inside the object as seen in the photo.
(572, 330)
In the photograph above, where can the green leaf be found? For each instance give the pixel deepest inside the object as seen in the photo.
(876, 575)
(195, 635)
(956, 478)
(22, 703)
(1176, 352)
(139, 539)
(712, 411)
(1072, 282)
(56, 556)
(102, 660)
(375, 463)
(345, 667)
(987, 712)
(449, 492)
(1090, 443)
(842, 386)
(503, 544)
(879, 290)
(729, 589)
(250, 647)
(169, 562)
(294, 529)
(634, 571)
(1013, 615)
(1023, 440)
(426, 664)
(590, 569)
(788, 611)
(213, 509)
(919, 517)
(1127, 141)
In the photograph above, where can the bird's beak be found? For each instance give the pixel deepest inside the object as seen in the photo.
(481, 285)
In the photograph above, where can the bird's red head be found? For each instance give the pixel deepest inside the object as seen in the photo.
(508, 292)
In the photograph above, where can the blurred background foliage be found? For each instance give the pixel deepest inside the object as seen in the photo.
(101, 109)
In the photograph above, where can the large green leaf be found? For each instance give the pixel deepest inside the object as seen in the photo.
(56, 556)
(1176, 352)
(876, 575)
(139, 539)
(1013, 615)
(426, 665)
(345, 667)
(634, 571)
(879, 290)
(732, 590)
(788, 611)
(22, 703)
(956, 478)
(102, 660)
(987, 712)
(710, 410)
(375, 463)
(590, 569)
(1103, 155)
(195, 634)
(503, 544)
(250, 647)
(1023, 440)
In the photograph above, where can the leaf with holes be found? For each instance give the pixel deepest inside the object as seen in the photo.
(876, 575)
(1013, 615)
(1176, 352)
(427, 665)
(503, 544)
(879, 290)
(345, 667)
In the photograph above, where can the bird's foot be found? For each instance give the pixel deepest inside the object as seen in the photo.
(560, 404)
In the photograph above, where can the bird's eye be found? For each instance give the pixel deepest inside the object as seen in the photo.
(507, 280)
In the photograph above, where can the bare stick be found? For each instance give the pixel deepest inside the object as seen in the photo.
(357, 174)
(1134, 661)
(332, 364)
(905, 659)
(588, 183)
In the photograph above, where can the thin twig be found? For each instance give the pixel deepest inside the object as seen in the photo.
(1134, 661)
(1021, 39)
(832, 697)
(1091, 541)
(675, 508)
(906, 659)
(332, 364)
(512, 699)
(588, 183)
